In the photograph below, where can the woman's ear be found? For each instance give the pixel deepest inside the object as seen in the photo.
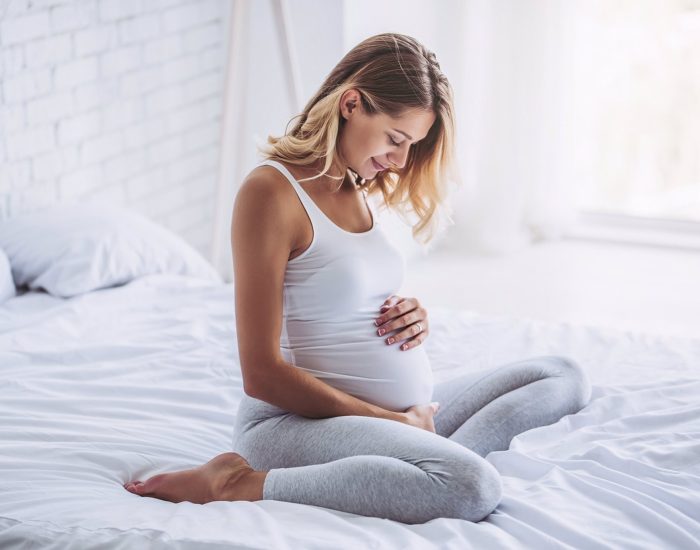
(349, 102)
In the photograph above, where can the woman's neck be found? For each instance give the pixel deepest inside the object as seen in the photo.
(336, 173)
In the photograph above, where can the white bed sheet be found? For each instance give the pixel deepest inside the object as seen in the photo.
(132, 381)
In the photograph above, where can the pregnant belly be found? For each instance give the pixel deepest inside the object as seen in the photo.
(362, 364)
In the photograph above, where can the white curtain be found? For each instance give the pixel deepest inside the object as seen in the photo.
(514, 97)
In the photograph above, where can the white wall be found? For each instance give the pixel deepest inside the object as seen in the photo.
(114, 100)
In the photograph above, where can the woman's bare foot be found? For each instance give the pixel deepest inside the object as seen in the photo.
(227, 476)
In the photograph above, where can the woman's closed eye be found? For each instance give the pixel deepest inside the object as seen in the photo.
(397, 143)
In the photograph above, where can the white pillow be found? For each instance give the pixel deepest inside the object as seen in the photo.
(72, 249)
(7, 285)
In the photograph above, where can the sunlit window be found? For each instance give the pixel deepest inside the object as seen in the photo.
(637, 107)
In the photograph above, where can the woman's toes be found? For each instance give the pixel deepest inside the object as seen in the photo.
(134, 486)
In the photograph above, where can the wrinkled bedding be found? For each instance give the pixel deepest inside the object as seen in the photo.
(131, 381)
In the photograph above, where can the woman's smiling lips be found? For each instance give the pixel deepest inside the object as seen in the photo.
(378, 166)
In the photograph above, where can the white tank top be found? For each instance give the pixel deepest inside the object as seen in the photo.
(332, 295)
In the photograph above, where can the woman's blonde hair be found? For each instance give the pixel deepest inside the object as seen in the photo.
(393, 73)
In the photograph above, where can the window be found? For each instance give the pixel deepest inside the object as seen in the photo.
(637, 108)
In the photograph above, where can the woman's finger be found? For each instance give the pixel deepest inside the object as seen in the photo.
(412, 334)
(390, 302)
(413, 342)
(399, 317)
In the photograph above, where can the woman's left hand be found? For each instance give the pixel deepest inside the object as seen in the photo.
(405, 315)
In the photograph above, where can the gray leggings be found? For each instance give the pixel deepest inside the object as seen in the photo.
(383, 468)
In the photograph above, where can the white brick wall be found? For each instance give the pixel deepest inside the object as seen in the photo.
(114, 100)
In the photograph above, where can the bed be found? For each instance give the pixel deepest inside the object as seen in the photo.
(103, 385)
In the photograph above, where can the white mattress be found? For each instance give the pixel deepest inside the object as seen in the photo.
(132, 381)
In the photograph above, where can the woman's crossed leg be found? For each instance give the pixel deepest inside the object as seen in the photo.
(377, 467)
(369, 466)
(485, 410)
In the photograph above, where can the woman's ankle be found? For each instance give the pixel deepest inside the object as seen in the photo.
(254, 481)
(247, 485)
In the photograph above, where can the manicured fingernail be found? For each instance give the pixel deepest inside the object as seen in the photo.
(390, 341)
(381, 331)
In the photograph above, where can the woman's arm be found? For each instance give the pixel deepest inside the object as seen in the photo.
(301, 393)
(264, 232)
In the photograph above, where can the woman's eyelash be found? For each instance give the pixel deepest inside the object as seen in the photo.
(396, 144)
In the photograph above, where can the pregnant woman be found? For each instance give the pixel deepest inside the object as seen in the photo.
(340, 409)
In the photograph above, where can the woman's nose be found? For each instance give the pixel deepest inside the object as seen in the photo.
(398, 158)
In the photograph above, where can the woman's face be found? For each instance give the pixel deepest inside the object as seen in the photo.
(369, 144)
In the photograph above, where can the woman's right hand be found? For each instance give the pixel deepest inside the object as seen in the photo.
(421, 416)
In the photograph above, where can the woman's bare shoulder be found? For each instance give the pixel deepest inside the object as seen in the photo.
(266, 179)
(265, 193)
(266, 183)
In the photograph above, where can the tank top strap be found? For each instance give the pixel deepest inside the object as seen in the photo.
(310, 206)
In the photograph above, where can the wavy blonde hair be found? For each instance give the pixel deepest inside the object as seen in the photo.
(393, 73)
